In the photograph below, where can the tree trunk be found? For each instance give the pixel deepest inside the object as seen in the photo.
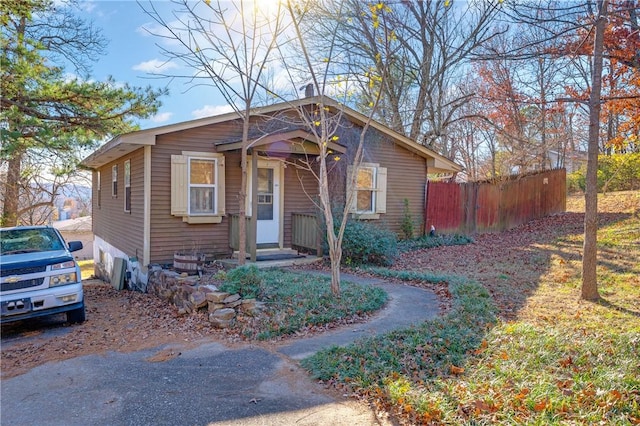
(589, 259)
(11, 191)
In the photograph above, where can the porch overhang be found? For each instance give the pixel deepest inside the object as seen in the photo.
(292, 142)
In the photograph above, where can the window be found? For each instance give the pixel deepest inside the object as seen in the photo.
(114, 180)
(99, 188)
(127, 186)
(197, 187)
(202, 186)
(366, 190)
(370, 192)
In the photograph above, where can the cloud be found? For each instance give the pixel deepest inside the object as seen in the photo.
(210, 110)
(154, 66)
(161, 117)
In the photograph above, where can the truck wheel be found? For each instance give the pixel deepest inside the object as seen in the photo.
(76, 316)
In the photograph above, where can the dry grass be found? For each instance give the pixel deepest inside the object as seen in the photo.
(551, 358)
(86, 268)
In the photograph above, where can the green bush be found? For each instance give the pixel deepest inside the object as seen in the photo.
(246, 281)
(407, 221)
(616, 172)
(365, 243)
(576, 181)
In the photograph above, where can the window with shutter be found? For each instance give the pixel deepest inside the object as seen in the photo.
(369, 198)
(197, 187)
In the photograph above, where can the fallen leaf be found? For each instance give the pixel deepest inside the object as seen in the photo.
(456, 370)
(541, 405)
(522, 394)
(566, 362)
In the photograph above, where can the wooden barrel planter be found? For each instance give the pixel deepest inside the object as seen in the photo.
(189, 263)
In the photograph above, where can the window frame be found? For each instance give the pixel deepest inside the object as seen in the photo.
(378, 191)
(372, 190)
(180, 189)
(127, 186)
(214, 186)
(99, 189)
(114, 181)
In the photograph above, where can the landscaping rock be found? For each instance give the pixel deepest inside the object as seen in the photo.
(198, 299)
(217, 296)
(224, 314)
(231, 299)
(212, 307)
(189, 295)
(248, 305)
(233, 304)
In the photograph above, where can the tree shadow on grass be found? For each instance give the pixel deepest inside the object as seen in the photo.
(606, 304)
(512, 266)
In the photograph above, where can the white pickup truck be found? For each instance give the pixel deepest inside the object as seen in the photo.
(38, 274)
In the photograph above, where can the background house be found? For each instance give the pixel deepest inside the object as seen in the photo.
(175, 188)
(78, 229)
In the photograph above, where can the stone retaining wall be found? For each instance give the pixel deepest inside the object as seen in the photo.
(192, 293)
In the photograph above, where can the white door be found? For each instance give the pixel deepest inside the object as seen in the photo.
(268, 211)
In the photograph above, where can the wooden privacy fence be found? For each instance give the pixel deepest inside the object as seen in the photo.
(492, 207)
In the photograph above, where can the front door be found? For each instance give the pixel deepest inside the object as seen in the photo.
(268, 211)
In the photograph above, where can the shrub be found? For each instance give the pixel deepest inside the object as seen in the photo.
(366, 243)
(616, 172)
(407, 221)
(246, 281)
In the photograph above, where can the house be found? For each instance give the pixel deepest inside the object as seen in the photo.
(175, 188)
(78, 229)
(572, 161)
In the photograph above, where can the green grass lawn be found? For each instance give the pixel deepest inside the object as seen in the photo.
(296, 303)
(562, 361)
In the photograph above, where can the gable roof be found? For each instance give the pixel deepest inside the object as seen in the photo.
(126, 143)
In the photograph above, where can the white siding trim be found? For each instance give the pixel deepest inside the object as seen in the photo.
(146, 241)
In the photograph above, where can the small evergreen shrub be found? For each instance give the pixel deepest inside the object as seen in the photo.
(407, 221)
(365, 243)
(246, 281)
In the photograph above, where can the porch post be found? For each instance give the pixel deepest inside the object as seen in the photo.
(253, 223)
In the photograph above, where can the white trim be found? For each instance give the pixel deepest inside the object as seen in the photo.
(279, 186)
(146, 244)
(214, 186)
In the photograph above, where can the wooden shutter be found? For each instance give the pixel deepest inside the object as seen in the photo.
(220, 185)
(179, 185)
(354, 199)
(381, 190)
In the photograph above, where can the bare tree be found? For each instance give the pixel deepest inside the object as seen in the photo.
(433, 42)
(226, 45)
(325, 119)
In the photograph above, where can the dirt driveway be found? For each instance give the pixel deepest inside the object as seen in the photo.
(124, 321)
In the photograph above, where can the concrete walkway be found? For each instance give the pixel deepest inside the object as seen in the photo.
(212, 384)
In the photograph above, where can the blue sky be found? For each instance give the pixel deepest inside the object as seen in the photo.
(132, 53)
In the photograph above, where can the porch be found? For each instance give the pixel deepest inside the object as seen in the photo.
(305, 245)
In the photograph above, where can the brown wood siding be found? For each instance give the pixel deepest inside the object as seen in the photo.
(299, 184)
(169, 233)
(121, 229)
(406, 179)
